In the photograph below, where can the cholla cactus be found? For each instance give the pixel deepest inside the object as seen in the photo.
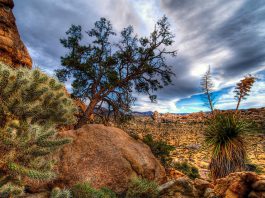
(31, 106)
(58, 193)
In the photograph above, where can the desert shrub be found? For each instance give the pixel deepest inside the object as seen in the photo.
(159, 148)
(142, 188)
(254, 168)
(133, 134)
(59, 193)
(85, 190)
(224, 136)
(191, 171)
(31, 106)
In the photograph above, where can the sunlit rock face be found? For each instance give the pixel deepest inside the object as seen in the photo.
(12, 50)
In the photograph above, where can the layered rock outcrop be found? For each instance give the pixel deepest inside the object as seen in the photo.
(105, 156)
(12, 50)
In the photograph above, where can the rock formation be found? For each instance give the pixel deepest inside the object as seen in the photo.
(235, 185)
(258, 115)
(155, 116)
(105, 156)
(240, 185)
(12, 50)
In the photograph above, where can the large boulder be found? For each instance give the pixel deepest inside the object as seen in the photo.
(12, 50)
(105, 156)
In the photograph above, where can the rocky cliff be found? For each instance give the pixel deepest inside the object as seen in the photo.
(12, 50)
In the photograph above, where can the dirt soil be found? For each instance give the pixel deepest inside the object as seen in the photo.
(189, 142)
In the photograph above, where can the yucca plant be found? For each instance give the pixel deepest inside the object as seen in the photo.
(224, 136)
(32, 105)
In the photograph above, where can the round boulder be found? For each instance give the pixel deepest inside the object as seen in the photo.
(105, 157)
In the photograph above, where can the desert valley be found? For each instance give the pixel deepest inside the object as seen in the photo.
(102, 124)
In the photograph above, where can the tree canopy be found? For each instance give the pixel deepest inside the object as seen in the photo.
(106, 73)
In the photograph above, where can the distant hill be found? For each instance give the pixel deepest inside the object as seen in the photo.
(149, 113)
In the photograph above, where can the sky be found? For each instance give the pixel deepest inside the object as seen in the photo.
(227, 35)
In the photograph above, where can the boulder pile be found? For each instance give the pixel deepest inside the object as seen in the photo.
(258, 115)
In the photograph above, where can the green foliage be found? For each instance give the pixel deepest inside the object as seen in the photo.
(58, 193)
(191, 171)
(107, 73)
(85, 190)
(32, 105)
(142, 188)
(254, 168)
(224, 136)
(159, 148)
(10, 189)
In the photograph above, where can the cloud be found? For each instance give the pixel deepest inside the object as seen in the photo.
(42, 23)
(228, 35)
(144, 104)
(255, 98)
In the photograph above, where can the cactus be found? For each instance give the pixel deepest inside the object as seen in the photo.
(32, 105)
(142, 188)
(85, 190)
(58, 193)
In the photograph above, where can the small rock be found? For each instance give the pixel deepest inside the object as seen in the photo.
(254, 194)
(185, 186)
(259, 185)
(193, 146)
(201, 185)
(209, 193)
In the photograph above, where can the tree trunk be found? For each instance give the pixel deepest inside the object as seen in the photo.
(238, 103)
(87, 115)
(210, 101)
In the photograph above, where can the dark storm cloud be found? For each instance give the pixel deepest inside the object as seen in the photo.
(182, 83)
(228, 35)
(211, 26)
(43, 22)
(244, 34)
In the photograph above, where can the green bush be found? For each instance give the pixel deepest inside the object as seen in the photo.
(191, 171)
(224, 136)
(254, 168)
(32, 105)
(84, 190)
(142, 188)
(58, 193)
(159, 148)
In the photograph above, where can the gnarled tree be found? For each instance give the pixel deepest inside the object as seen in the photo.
(106, 73)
